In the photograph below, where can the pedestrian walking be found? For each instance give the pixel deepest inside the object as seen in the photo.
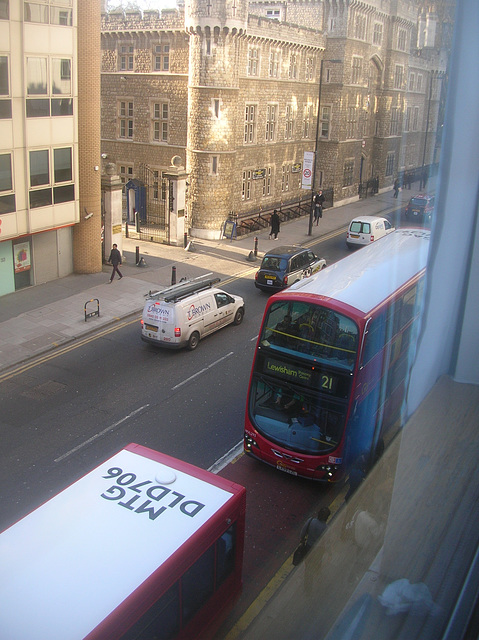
(312, 530)
(115, 260)
(396, 187)
(318, 206)
(275, 224)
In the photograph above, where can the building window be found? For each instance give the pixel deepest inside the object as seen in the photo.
(390, 164)
(5, 101)
(407, 121)
(293, 66)
(419, 82)
(247, 181)
(415, 119)
(7, 197)
(43, 190)
(360, 27)
(378, 34)
(325, 122)
(289, 122)
(126, 58)
(272, 13)
(160, 120)
(49, 87)
(398, 76)
(126, 174)
(214, 165)
(208, 46)
(4, 13)
(351, 123)
(216, 107)
(267, 182)
(253, 61)
(250, 124)
(162, 57)
(412, 80)
(309, 69)
(274, 57)
(271, 111)
(357, 65)
(394, 124)
(41, 13)
(307, 120)
(348, 173)
(285, 175)
(125, 113)
(402, 34)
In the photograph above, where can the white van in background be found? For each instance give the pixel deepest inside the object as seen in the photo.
(366, 229)
(182, 314)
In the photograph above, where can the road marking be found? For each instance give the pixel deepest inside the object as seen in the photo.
(228, 458)
(102, 433)
(198, 373)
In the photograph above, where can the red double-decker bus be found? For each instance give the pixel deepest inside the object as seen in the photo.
(144, 546)
(331, 362)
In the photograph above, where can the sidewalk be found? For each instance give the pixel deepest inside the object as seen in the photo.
(41, 318)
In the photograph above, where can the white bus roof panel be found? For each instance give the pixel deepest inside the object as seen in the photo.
(371, 274)
(71, 562)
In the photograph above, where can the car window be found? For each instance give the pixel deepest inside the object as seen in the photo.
(387, 224)
(355, 227)
(366, 227)
(222, 299)
(273, 263)
(311, 257)
(295, 264)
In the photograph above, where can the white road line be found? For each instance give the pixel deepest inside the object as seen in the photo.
(198, 373)
(220, 464)
(98, 435)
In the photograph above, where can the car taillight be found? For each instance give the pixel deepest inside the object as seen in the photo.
(256, 275)
(141, 322)
(177, 332)
(285, 280)
(372, 238)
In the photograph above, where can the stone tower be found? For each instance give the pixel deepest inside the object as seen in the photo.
(213, 91)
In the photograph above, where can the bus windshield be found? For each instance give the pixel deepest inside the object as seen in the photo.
(302, 376)
(312, 332)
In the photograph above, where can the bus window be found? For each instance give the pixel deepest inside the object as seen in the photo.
(197, 584)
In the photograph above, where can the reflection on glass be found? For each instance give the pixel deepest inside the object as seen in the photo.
(61, 76)
(39, 168)
(37, 76)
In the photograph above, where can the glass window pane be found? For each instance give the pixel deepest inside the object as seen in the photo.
(5, 109)
(197, 584)
(36, 76)
(39, 168)
(4, 76)
(5, 172)
(61, 76)
(62, 164)
(4, 9)
(41, 198)
(61, 16)
(38, 108)
(7, 204)
(62, 107)
(36, 12)
(64, 194)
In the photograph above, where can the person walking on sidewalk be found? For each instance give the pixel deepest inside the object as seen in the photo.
(115, 260)
(396, 187)
(318, 206)
(275, 223)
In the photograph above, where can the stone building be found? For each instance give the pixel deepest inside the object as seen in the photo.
(233, 88)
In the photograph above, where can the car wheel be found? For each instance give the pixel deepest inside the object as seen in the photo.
(239, 316)
(194, 341)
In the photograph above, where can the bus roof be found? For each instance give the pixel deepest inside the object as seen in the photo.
(371, 274)
(68, 564)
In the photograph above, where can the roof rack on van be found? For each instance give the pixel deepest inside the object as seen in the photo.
(185, 289)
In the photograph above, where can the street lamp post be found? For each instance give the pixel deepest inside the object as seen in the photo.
(310, 228)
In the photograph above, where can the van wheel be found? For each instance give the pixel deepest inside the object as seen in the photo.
(239, 316)
(194, 341)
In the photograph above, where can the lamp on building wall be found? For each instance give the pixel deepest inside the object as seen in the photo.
(310, 229)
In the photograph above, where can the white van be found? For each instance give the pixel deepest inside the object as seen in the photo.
(186, 312)
(366, 229)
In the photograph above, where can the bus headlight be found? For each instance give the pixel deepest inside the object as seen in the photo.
(329, 470)
(249, 442)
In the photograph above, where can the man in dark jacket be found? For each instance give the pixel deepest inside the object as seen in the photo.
(115, 260)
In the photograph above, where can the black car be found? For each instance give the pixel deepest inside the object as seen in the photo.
(421, 206)
(285, 265)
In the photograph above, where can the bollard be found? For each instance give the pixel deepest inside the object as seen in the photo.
(173, 275)
(126, 228)
(137, 259)
(256, 247)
